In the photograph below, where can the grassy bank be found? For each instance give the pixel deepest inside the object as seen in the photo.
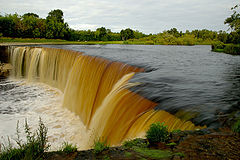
(54, 41)
(187, 42)
(233, 49)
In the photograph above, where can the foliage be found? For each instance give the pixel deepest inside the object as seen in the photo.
(138, 142)
(234, 23)
(153, 153)
(176, 131)
(181, 155)
(236, 126)
(234, 20)
(68, 148)
(218, 45)
(232, 49)
(171, 144)
(100, 146)
(126, 34)
(30, 14)
(157, 133)
(101, 34)
(57, 15)
(30, 25)
(34, 147)
(128, 154)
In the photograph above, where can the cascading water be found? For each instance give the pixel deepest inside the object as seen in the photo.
(95, 89)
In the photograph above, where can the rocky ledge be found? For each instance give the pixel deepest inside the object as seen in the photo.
(5, 69)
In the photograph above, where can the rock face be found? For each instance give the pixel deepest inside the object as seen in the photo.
(4, 56)
(5, 69)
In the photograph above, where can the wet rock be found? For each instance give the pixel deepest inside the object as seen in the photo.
(5, 69)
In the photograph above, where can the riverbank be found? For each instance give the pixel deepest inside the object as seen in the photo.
(233, 49)
(203, 144)
(40, 41)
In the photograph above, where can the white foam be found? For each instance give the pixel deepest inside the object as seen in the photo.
(33, 100)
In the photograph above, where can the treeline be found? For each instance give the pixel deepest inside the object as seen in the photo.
(175, 37)
(30, 25)
(103, 34)
(232, 44)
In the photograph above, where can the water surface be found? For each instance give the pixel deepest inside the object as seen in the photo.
(182, 79)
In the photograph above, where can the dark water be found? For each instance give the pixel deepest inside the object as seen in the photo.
(184, 80)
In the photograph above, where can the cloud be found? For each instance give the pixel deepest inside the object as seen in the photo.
(149, 16)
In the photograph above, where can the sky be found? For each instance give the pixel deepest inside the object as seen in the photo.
(147, 16)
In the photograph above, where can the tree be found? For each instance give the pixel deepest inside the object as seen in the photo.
(127, 34)
(234, 20)
(30, 14)
(55, 26)
(174, 32)
(57, 15)
(234, 23)
(101, 34)
(7, 26)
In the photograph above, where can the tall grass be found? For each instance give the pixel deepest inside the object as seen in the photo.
(34, 147)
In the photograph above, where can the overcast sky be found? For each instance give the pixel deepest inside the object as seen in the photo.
(148, 16)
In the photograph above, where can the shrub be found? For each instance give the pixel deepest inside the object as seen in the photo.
(33, 148)
(236, 126)
(232, 49)
(138, 142)
(157, 133)
(100, 146)
(217, 45)
(68, 148)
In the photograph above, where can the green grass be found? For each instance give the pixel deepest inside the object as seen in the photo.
(128, 154)
(68, 148)
(153, 153)
(138, 142)
(29, 40)
(236, 126)
(54, 41)
(156, 153)
(100, 146)
(65, 42)
(34, 147)
(218, 50)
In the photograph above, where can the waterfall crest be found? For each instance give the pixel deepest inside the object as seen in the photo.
(96, 89)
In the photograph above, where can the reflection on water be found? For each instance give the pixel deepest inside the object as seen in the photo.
(180, 78)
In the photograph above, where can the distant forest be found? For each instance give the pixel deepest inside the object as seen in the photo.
(30, 25)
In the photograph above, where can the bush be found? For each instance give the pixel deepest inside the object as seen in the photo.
(157, 133)
(35, 146)
(100, 146)
(232, 49)
(217, 45)
(68, 148)
(236, 126)
(138, 142)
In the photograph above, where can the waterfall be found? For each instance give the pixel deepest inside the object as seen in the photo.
(96, 89)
